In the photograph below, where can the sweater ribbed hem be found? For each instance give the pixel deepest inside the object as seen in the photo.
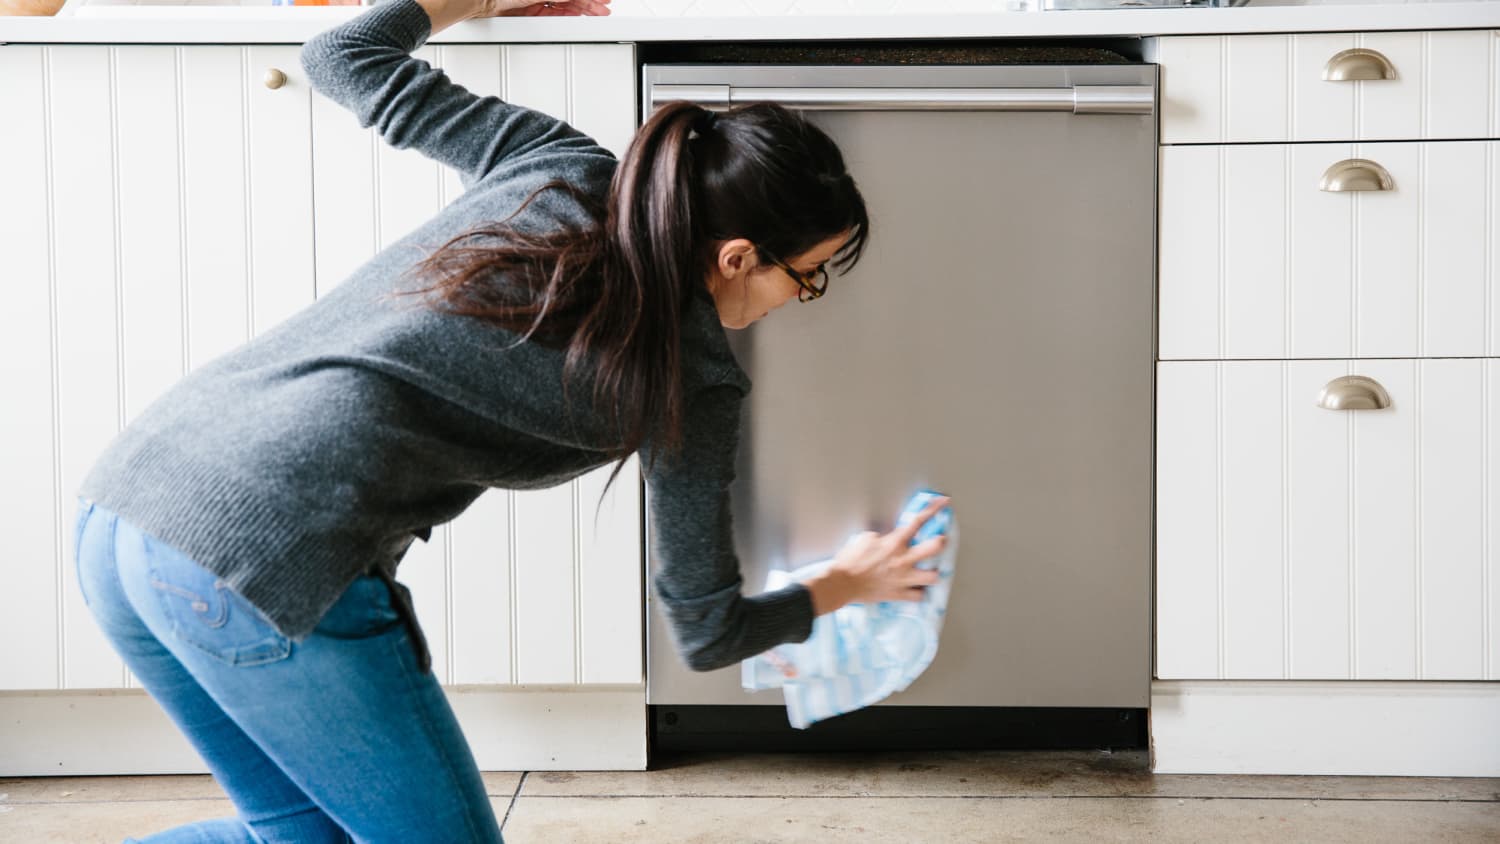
(405, 19)
(770, 619)
(261, 549)
(789, 610)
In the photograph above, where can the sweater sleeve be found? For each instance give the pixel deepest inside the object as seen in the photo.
(698, 579)
(365, 65)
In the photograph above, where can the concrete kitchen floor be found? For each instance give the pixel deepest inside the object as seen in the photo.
(865, 797)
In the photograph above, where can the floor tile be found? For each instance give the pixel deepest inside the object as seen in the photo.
(973, 774)
(501, 783)
(85, 823)
(916, 796)
(77, 823)
(1326, 788)
(106, 789)
(97, 789)
(871, 820)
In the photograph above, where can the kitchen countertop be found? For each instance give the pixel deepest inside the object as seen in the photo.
(292, 25)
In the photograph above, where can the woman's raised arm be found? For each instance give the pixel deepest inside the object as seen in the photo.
(366, 66)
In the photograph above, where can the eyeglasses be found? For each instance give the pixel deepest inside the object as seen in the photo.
(809, 291)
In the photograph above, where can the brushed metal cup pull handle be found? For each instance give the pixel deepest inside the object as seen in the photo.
(1358, 63)
(1354, 392)
(1356, 174)
(274, 78)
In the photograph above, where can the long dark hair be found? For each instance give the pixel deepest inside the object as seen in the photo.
(612, 294)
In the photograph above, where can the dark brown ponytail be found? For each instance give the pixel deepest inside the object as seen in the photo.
(613, 294)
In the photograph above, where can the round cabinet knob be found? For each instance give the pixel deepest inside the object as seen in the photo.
(274, 79)
(1358, 63)
(1354, 392)
(1356, 174)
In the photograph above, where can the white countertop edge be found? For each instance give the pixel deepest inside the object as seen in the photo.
(274, 25)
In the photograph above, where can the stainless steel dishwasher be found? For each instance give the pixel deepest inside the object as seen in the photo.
(995, 343)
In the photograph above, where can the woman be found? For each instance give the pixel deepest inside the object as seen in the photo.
(238, 541)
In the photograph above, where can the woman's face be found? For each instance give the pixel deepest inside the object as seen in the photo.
(746, 289)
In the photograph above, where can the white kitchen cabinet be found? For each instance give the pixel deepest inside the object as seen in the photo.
(29, 610)
(1301, 543)
(1256, 261)
(172, 205)
(1299, 548)
(1257, 88)
(143, 245)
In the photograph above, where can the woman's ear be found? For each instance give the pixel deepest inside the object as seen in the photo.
(736, 258)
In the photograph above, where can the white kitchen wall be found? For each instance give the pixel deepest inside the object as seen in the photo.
(686, 8)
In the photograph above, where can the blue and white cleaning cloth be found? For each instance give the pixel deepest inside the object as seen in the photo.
(860, 653)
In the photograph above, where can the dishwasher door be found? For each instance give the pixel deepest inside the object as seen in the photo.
(995, 343)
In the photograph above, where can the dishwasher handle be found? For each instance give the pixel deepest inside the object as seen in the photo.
(1078, 99)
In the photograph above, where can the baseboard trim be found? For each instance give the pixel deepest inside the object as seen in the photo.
(1420, 729)
(514, 728)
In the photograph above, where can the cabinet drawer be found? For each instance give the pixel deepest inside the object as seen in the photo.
(1257, 261)
(1234, 88)
(1297, 542)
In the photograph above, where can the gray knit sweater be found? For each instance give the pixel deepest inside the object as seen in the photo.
(317, 451)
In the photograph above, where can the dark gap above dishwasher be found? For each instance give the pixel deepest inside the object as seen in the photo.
(926, 52)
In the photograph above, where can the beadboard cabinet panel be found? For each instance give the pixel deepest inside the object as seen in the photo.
(215, 200)
(345, 219)
(1257, 118)
(1490, 508)
(1187, 537)
(1249, 302)
(546, 616)
(481, 571)
(610, 579)
(537, 77)
(1190, 225)
(1385, 525)
(84, 235)
(153, 342)
(1251, 524)
(1452, 494)
(280, 179)
(1318, 475)
(600, 84)
(1270, 88)
(1324, 111)
(201, 207)
(30, 497)
(1258, 262)
(1300, 543)
(156, 141)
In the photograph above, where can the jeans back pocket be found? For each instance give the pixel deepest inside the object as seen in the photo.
(207, 614)
(81, 521)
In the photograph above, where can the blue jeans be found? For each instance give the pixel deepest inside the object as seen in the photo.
(340, 737)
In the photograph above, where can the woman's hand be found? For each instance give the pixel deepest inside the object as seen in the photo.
(873, 567)
(445, 13)
(518, 8)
